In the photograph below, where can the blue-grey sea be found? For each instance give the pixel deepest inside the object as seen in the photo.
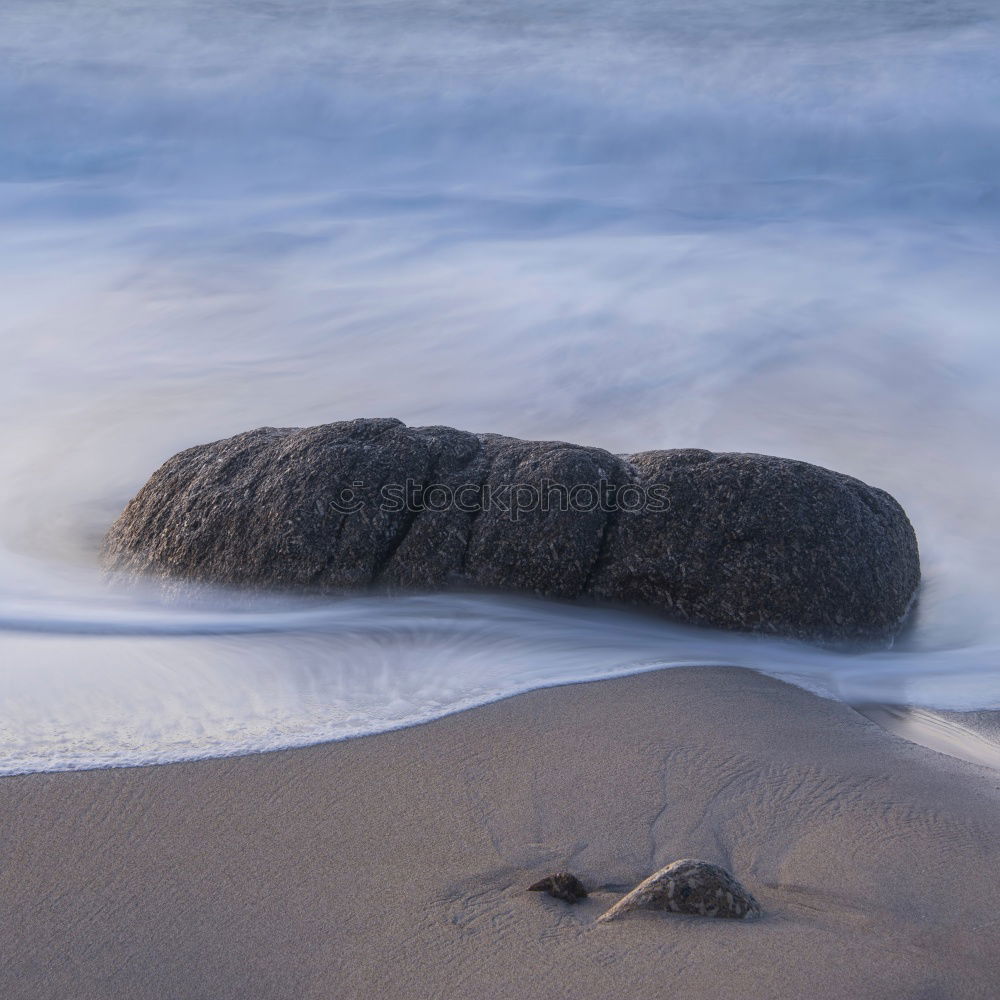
(763, 225)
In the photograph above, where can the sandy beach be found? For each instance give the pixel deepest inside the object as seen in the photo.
(396, 865)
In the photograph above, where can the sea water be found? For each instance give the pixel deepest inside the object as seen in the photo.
(767, 226)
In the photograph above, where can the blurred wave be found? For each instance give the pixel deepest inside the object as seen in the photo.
(181, 689)
(767, 226)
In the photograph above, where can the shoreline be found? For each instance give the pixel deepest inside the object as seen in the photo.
(396, 864)
(971, 735)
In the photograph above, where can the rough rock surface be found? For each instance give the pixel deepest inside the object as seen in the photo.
(562, 885)
(737, 541)
(698, 888)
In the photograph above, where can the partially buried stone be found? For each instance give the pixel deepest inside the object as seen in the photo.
(688, 886)
(562, 885)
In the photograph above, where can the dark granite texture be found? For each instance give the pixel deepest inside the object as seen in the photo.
(738, 541)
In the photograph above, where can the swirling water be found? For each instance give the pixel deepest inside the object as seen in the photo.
(766, 226)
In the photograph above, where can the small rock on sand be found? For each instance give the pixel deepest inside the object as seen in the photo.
(562, 885)
(688, 886)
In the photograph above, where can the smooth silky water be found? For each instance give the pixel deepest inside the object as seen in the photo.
(754, 226)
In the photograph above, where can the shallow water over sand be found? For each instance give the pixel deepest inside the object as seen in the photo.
(767, 227)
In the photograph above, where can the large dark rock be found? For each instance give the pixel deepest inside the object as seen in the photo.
(739, 541)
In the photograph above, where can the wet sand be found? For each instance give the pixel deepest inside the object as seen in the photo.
(396, 865)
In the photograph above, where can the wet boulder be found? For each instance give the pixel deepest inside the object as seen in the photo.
(731, 540)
